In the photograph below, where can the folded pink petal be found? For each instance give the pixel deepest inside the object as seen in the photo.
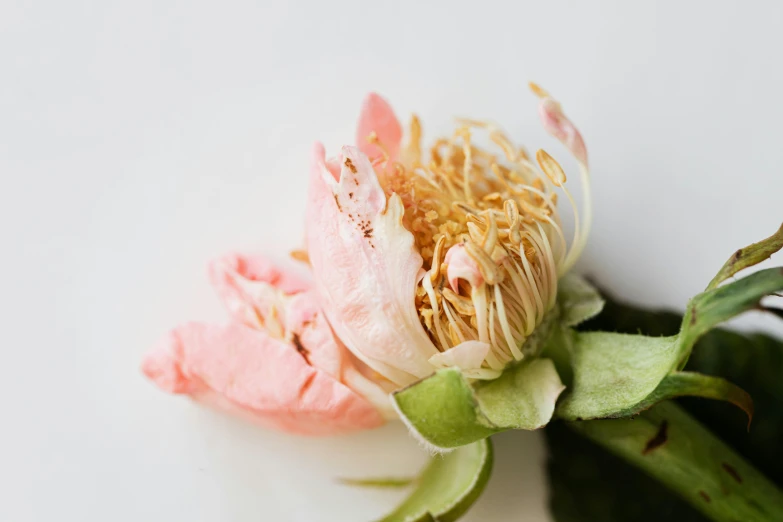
(365, 267)
(244, 371)
(462, 266)
(311, 334)
(377, 116)
(468, 355)
(250, 285)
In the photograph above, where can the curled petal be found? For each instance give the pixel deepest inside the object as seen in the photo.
(244, 371)
(558, 125)
(365, 267)
(468, 355)
(312, 337)
(377, 116)
(251, 287)
(462, 266)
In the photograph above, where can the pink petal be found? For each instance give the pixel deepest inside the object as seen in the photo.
(558, 125)
(468, 355)
(462, 266)
(312, 335)
(241, 370)
(365, 267)
(249, 285)
(377, 116)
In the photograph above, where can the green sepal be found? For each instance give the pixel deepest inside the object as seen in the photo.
(617, 375)
(448, 486)
(587, 484)
(694, 384)
(710, 308)
(378, 482)
(578, 300)
(442, 411)
(446, 410)
(613, 372)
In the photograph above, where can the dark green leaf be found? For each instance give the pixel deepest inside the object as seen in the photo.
(588, 484)
(616, 375)
(670, 445)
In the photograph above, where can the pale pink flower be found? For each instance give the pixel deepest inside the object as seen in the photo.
(277, 361)
(452, 260)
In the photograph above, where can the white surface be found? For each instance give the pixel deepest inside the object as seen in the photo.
(139, 140)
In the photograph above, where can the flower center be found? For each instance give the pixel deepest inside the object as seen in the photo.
(487, 228)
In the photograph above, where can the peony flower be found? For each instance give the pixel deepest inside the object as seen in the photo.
(418, 264)
(276, 362)
(448, 260)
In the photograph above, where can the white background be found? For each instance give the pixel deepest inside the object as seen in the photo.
(140, 139)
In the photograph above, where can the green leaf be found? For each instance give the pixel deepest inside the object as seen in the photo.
(578, 300)
(446, 411)
(589, 484)
(616, 375)
(448, 486)
(749, 256)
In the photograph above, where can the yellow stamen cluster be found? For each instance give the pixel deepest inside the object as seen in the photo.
(503, 210)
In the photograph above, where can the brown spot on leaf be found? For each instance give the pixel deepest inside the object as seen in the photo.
(350, 165)
(304, 352)
(658, 440)
(693, 316)
(705, 496)
(731, 470)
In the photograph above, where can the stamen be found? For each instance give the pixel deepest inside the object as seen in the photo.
(512, 345)
(551, 168)
(537, 90)
(463, 305)
(300, 255)
(375, 140)
(502, 208)
(414, 147)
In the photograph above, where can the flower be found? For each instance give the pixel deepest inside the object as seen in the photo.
(417, 264)
(276, 362)
(452, 260)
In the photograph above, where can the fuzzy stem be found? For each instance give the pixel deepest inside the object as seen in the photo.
(670, 445)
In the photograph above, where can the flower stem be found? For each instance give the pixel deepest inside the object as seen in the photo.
(673, 447)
